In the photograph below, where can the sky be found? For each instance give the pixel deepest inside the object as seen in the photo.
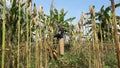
(75, 7)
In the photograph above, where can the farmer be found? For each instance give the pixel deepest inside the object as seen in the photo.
(60, 38)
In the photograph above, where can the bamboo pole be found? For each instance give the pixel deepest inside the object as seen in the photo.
(3, 34)
(116, 37)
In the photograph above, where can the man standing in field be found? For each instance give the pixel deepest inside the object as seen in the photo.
(60, 38)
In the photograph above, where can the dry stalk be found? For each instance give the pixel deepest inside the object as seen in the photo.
(116, 37)
(3, 33)
(97, 60)
(18, 53)
(30, 36)
(27, 28)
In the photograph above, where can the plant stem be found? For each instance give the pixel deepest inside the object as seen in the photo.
(27, 52)
(18, 54)
(30, 37)
(95, 41)
(3, 33)
(116, 37)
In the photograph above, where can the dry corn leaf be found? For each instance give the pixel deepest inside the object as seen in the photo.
(55, 55)
(80, 23)
(41, 12)
(92, 11)
(34, 10)
(35, 21)
(28, 3)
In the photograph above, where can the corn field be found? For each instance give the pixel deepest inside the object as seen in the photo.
(27, 37)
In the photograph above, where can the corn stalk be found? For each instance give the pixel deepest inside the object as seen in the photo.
(36, 52)
(101, 44)
(95, 41)
(45, 48)
(41, 43)
(30, 36)
(3, 33)
(18, 52)
(27, 28)
(116, 37)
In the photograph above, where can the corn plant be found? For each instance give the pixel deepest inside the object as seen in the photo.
(116, 37)
(30, 37)
(18, 54)
(25, 52)
(95, 41)
(3, 34)
(27, 39)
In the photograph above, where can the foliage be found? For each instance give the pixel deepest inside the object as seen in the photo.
(103, 21)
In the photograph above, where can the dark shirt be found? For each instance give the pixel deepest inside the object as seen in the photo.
(60, 33)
